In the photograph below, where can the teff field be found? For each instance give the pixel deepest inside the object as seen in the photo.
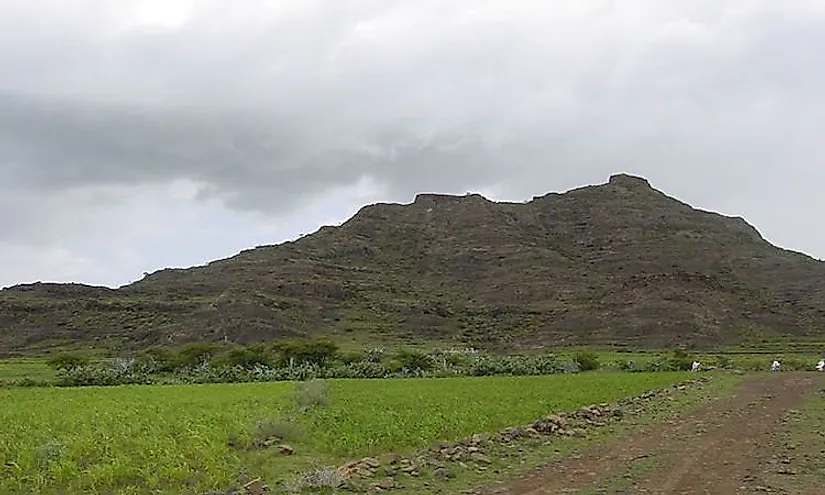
(198, 438)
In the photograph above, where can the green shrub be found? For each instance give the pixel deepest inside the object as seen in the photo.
(721, 361)
(316, 352)
(352, 357)
(67, 361)
(588, 361)
(156, 359)
(248, 357)
(413, 361)
(679, 360)
(192, 355)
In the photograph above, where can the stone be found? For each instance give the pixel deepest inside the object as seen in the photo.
(443, 473)
(255, 487)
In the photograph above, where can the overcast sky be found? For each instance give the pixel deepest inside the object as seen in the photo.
(137, 135)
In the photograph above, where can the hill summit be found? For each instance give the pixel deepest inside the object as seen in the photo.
(618, 262)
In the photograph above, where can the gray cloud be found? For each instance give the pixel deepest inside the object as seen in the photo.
(268, 109)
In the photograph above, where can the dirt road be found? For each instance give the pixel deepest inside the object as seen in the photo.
(720, 449)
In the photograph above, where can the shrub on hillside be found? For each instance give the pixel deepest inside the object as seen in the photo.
(196, 354)
(412, 361)
(314, 352)
(588, 361)
(721, 361)
(157, 359)
(248, 357)
(67, 361)
(100, 375)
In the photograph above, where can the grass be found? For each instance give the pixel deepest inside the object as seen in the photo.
(130, 439)
(25, 368)
(179, 439)
(369, 417)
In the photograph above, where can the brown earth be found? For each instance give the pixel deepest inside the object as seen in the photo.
(721, 449)
(616, 263)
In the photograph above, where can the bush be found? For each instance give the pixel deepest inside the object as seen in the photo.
(587, 361)
(100, 375)
(318, 352)
(192, 355)
(678, 360)
(248, 357)
(361, 369)
(352, 357)
(413, 361)
(67, 361)
(722, 361)
(157, 359)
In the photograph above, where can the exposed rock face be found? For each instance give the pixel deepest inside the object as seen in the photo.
(617, 262)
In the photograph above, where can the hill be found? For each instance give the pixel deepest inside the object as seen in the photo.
(618, 262)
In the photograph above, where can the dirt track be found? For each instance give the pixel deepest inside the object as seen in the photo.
(719, 449)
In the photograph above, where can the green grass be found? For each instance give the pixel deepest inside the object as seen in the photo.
(369, 417)
(22, 368)
(175, 439)
(132, 439)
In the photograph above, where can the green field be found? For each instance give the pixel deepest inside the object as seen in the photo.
(194, 438)
(12, 370)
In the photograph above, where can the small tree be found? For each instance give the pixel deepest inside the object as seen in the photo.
(192, 355)
(414, 360)
(588, 361)
(680, 360)
(248, 357)
(317, 352)
(67, 361)
(157, 359)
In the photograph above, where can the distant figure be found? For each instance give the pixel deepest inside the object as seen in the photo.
(820, 366)
(696, 366)
(775, 365)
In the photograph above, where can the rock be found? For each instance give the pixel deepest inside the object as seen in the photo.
(285, 449)
(443, 473)
(479, 438)
(385, 484)
(480, 458)
(255, 487)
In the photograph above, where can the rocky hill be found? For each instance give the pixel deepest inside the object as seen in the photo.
(613, 263)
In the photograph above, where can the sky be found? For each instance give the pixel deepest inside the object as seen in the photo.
(142, 134)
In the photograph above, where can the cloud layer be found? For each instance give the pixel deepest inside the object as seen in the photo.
(141, 134)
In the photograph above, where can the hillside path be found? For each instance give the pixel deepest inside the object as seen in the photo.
(719, 449)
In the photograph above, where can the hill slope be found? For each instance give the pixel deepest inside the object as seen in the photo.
(617, 262)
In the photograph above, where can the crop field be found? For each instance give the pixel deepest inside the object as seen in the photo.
(195, 438)
(22, 368)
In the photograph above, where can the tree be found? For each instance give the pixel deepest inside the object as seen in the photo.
(67, 361)
(317, 352)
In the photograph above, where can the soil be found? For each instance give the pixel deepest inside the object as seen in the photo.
(723, 448)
